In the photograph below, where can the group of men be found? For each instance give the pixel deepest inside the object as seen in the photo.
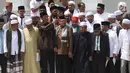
(63, 39)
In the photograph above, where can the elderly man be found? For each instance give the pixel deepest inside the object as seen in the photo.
(64, 43)
(119, 16)
(68, 17)
(31, 58)
(7, 14)
(81, 17)
(100, 50)
(124, 46)
(71, 8)
(14, 47)
(114, 25)
(81, 49)
(90, 21)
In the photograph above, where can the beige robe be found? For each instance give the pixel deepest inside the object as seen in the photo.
(31, 41)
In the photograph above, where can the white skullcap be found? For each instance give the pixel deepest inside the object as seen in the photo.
(71, 2)
(89, 13)
(67, 12)
(14, 22)
(28, 21)
(81, 13)
(122, 4)
(112, 15)
(118, 12)
(83, 24)
(126, 21)
(13, 16)
(34, 15)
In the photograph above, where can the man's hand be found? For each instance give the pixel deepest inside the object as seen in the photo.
(70, 54)
(55, 49)
(107, 58)
(114, 55)
(90, 58)
(6, 54)
(22, 54)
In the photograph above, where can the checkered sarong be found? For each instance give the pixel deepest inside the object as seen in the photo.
(15, 66)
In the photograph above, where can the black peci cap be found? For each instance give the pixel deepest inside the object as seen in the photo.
(21, 7)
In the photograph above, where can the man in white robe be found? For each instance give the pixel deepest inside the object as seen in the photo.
(101, 15)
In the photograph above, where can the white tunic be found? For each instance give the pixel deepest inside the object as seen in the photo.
(75, 12)
(124, 44)
(101, 17)
(35, 4)
(113, 42)
(14, 46)
(21, 26)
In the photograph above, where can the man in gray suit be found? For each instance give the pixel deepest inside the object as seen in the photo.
(8, 12)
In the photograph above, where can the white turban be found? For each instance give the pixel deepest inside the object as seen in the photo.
(126, 21)
(34, 15)
(71, 2)
(118, 12)
(67, 12)
(122, 6)
(81, 14)
(13, 16)
(89, 13)
(14, 22)
(28, 21)
(111, 15)
(83, 24)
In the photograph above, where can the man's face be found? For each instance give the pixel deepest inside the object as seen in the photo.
(112, 20)
(83, 28)
(14, 26)
(74, 23)
(71, 6)
(90, 18)
(68, 17)
(62, 22)
(100, 10)
(104, 28)
(35, 20)
(126, 26)
(82, 18)
(44, 18)
(119, 17)
(21, 12)
(82, 8)
(9, 8)
(54, 12)
(97, 32)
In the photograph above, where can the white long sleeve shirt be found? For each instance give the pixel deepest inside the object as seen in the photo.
(124, 44)
(113, 40)
(101, 17)
(14, 43)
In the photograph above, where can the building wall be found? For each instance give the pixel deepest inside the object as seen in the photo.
(2, 4)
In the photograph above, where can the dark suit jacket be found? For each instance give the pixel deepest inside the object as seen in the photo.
(104, 45)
